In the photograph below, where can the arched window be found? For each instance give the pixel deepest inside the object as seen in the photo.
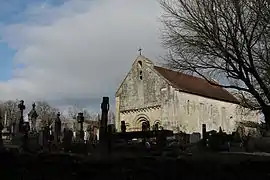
(140, 75)
(140, 69)
(140, 64)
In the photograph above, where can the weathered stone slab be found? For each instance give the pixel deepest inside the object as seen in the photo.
(194, 137)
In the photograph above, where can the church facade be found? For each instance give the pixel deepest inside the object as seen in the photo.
(175, 101)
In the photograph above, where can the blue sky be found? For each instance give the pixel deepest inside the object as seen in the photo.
(73, 51)
(11, 12)
(6, 62)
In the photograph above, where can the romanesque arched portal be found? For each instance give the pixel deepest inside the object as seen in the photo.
(141, 120)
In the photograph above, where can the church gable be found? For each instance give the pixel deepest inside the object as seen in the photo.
(141, 87)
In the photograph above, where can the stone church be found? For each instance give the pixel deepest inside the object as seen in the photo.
(175, 101)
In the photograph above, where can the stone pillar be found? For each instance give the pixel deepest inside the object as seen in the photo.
(104, 119)
(80, 119)
(21, 107)
(109, 138)
(103, 125)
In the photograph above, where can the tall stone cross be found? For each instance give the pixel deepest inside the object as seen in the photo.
(21, 107)
(140, 50)
(103, 133)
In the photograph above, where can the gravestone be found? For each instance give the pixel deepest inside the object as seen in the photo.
(123, 126)
(67, 140)
(109, 139)
(80, 119)
(33, 117)
(21, 107)
(204, 134)
(44, 137)
(33, 141)
(40, 138)
(104, 119)
(25, 138)
(87, 135)
(103, 132)
(93, 137)
(194, 137)
(20, 138)
(57, 129)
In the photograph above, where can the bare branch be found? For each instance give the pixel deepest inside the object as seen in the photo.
(229, 39)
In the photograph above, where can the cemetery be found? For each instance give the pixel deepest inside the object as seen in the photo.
(146, 153)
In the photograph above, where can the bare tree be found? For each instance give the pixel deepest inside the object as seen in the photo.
(228, 39)
(46, 113)
(111, 117)
(74, 110)
(11, 109)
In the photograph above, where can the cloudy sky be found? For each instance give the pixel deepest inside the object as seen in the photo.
(73, 51)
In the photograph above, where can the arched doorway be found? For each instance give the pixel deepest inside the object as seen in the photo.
(145, 126)
(142, 123)
(157, 125)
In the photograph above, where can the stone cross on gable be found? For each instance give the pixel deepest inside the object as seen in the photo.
(140, 50)
(34, 105)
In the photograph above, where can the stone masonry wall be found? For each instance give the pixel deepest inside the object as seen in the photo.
(191, 111)
(140, 93)
(153, 115)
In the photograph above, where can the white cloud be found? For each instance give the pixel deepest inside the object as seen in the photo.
(81, 49)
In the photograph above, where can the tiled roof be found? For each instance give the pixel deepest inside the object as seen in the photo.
(195, 85)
